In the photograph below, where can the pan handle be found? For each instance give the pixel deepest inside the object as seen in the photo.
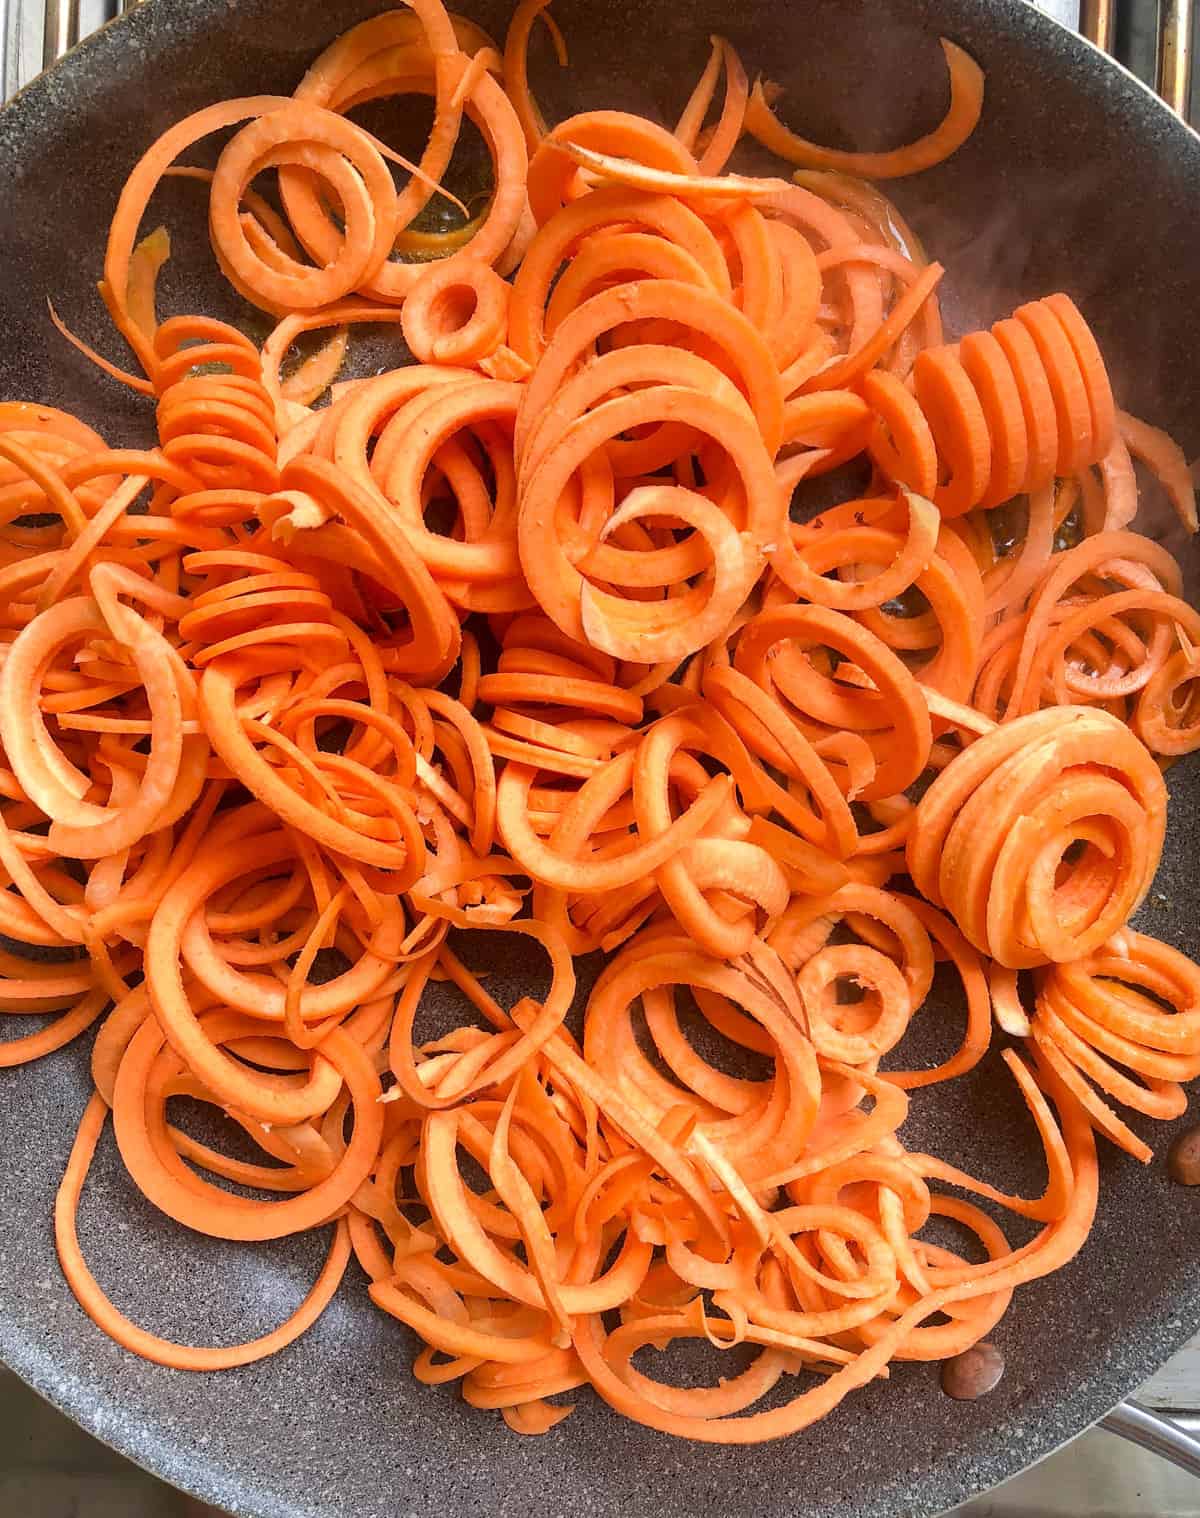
(1161, 1436)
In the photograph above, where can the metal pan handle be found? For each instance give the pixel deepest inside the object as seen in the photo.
(1144, 1427)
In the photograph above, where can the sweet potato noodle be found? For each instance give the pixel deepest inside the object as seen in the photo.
(522, 637)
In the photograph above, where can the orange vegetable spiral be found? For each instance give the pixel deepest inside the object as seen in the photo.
(998, 414)
(993, 835)
(456, 313)
(541, 670)
(219, 427)
(1105, 626)
(1130, 1006)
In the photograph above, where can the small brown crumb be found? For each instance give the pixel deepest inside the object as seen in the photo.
(974, 1373)
(1183, 1158)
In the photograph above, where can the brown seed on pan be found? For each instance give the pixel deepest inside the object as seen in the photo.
(972, 1374)
(1183, 1158)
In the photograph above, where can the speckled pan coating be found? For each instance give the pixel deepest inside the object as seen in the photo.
(1077, 178)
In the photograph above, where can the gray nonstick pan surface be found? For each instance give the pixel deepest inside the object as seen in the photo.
(1078, 179)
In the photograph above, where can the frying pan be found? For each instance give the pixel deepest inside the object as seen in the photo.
(1078, 179)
